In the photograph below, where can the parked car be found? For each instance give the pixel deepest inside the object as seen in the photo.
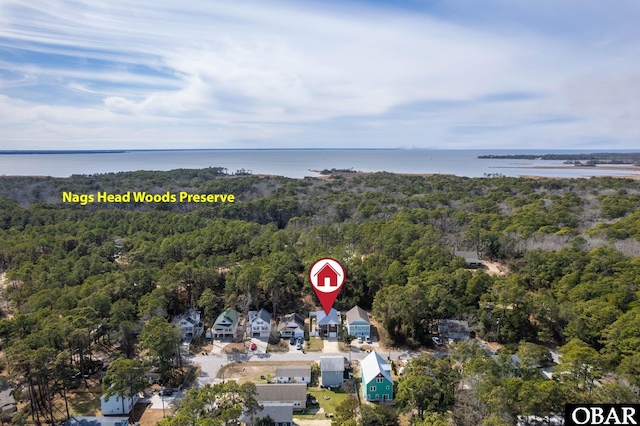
(299, 346)
(292, 341)
(367, 339)
(360, 339)
(436, 340)
(166, 392)
(254, 347)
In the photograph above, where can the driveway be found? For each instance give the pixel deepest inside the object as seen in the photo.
(261, 344)
(219, 345)
(331, 346)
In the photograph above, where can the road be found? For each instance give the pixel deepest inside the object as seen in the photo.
(211, 364)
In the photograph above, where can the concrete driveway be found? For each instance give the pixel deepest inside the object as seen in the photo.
(261, 344)
(331, 346)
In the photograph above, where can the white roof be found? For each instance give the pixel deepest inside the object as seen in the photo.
(331, 363)
(372, 366)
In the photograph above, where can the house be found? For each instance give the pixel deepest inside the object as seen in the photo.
(291, 325)
(97, 421)
(358, 322)
(326, 325)
(377, 383)
(116, 404)
(189, 324)
(280, 413)
(471, 259)
(259, 323)
(294, 374)
(226, 325)
(7, 402)
(331, 371)
(327, 276)
(455, 330)
(289, 393)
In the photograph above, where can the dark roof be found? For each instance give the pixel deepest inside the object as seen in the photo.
(228, 318)
(469, 256)
(291, 321)
(263, 314)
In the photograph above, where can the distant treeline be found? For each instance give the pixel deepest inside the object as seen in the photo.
(593, 158)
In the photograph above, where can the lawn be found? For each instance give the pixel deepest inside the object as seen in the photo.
(252, 371)
(328, 399)
(315, 344)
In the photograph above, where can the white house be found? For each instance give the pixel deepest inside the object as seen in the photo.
(226, 325)
(358, 322)
(189, 324)
(117, 405)
(259, 323)
(291, 325)
(294, 374)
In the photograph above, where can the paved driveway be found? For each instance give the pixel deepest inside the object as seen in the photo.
(331, 346)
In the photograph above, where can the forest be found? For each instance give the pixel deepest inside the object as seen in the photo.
(76, 279)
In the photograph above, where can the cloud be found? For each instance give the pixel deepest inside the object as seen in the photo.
(224, 74)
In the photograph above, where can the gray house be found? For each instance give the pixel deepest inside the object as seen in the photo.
(289, 393)
(331, 371)
(280, 413)
(294, 374)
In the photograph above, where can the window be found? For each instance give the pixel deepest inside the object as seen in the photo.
(372, 389)
(379, 380)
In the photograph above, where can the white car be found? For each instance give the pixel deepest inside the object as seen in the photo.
(436, 340)
(360, 339)
(367, 339)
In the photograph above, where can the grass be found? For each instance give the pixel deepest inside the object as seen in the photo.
(329, 405)
(252, 371)
(315, 344)
(281, 347)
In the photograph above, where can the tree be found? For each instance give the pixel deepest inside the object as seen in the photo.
(381, 415)
(161, 340)
(219, 405)
(345, 411)
(124, 378)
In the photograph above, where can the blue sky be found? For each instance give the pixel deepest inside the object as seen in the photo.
(98, 74)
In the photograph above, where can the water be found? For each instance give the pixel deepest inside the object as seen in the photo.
(298, 163)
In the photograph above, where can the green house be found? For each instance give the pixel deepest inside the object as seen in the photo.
(377, 383)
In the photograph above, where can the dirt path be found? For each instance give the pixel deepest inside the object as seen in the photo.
(5, 306)
(495, 268)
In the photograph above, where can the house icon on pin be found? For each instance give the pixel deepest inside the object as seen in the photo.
(327, 276)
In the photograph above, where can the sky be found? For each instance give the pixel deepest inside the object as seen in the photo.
(434, 74)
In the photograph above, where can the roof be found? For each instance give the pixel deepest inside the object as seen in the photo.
(356, 313)
(281, 392)
(291, 321)
(372, 366)
(6, 397)
(469, 256)
(263, 314)
(279, 412)
(226, 319)
(331, 363)
(294, 371)
(97, 421)
(191, 315)
(324, 319)
(327, 265)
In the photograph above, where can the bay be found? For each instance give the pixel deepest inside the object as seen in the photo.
(298, 163)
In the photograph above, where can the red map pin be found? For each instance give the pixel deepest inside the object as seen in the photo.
(327, 276)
